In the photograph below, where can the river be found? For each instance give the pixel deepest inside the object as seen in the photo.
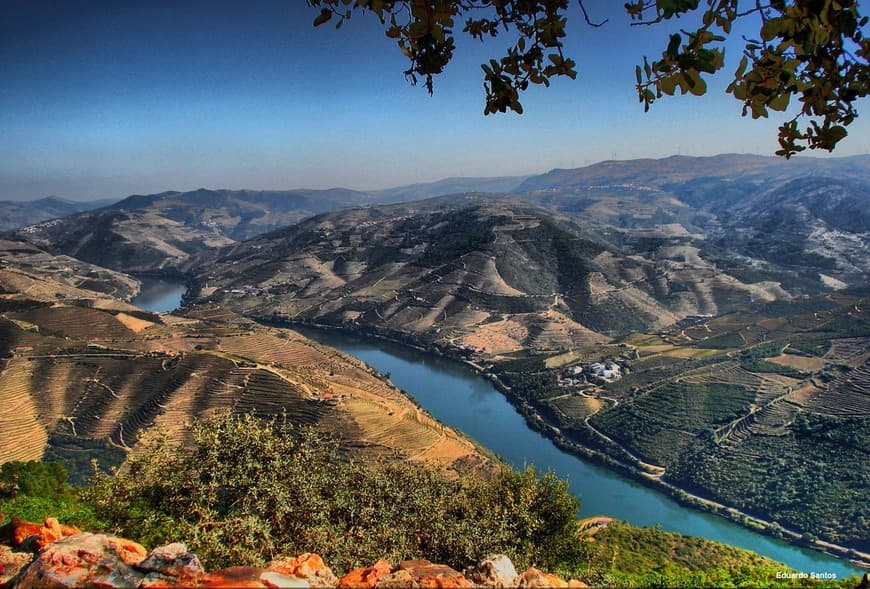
(159, 295)
(457, 396)
(461, 398)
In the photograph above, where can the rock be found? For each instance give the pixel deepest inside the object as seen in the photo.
(22, 530)
(170, 566)
(34, 536)
(235, 577)
(11, 563)
(495, 571)
(251, 577)
(426, 574)
(307, 566)
(277, 580)
(49, 533)
(366, 577)
(85, 560)
(535, 578)
(396, 580)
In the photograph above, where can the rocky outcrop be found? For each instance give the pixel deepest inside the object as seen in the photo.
(306, 566)
(85, 560)
(32, 536)
(366, 577)
(99, 560)
(495, 571)
(170, 566)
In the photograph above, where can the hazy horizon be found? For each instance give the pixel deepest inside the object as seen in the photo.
(102, 100)
(120, 197)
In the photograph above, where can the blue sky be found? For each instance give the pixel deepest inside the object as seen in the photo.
(104, 99)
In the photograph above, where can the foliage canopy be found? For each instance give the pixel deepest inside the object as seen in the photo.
(249, 490)
(810, 51)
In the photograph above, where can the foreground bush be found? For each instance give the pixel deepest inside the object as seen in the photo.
(248, 490)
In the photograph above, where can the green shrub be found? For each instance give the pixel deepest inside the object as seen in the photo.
(37, 479)
(35, 490)
(249, 490)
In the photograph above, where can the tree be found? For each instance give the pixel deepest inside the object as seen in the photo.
(811, 51)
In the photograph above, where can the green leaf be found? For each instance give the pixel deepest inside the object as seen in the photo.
(779, 103)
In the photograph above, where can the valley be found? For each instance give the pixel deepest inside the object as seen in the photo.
(698, 324)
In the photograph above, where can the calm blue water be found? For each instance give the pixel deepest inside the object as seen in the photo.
(457, 396)
(159, 295)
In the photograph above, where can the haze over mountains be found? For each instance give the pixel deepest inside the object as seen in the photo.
(15, 214)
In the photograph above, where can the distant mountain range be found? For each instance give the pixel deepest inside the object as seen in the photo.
(762, 218)
(14, 214)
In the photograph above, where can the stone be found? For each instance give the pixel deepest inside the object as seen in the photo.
(171, 565)
(276, 580)
(36, 536)
(22, 530)
(235, 577)
(307, 566)
(12, 562)
(494, 571)
(396, 580)
(85, 560)
(366, 577)
(49, 533)
(535, 578)
(426, 574)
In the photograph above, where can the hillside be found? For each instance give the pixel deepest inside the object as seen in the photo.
(82, 380)
(27, 272)
(482, 273)
(161, 232)
(800, 222)
(14, 214)
(498, 184)
(761, 219)
(763, 410)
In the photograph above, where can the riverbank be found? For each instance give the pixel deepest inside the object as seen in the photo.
(538, 420)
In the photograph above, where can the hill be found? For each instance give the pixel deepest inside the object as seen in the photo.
(24, 268)
(160, 232)
(762, 218)
(474, 272)
(498, 184)
(800, 223)
(85, 377)
(14, 214)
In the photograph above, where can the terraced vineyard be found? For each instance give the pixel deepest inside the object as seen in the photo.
(270, 349)
(775, 424)
(70, 395)
(22, 436)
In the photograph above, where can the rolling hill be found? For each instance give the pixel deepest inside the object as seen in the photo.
(472, 271)
(159, 233)
(14, 214)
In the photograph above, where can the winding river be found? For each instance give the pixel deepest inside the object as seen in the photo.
(459, 397)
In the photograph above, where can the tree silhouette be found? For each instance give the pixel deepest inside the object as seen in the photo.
(810, 51)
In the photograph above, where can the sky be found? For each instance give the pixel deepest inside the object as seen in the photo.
(102, 99)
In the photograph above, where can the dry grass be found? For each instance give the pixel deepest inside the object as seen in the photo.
(500, 337)
(133, 323)
(802, 363)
